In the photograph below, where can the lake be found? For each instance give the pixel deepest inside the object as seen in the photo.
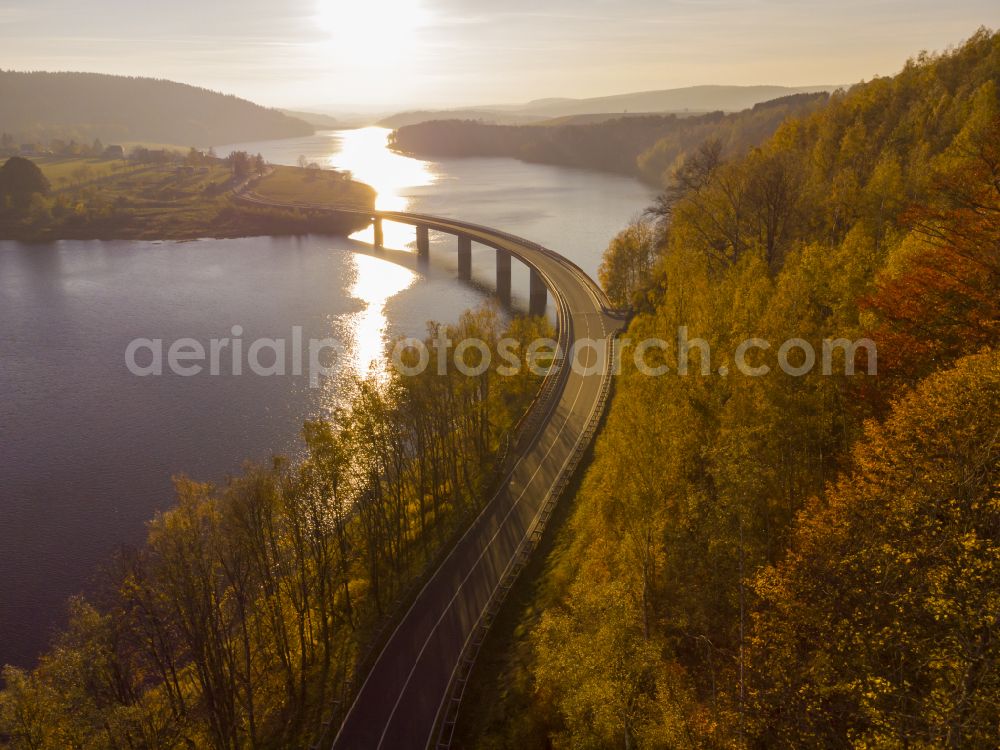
(87, 449)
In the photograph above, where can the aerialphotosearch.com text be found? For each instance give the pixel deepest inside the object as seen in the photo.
(319, 359)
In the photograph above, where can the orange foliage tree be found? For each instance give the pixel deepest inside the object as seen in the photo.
(880, 628)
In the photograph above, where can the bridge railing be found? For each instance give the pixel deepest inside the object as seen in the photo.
(600, 297)
(444, 224)
(448, 716)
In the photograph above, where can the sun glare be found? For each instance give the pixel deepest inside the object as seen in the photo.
(381, 29)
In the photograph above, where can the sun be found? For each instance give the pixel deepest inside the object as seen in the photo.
(377, 28)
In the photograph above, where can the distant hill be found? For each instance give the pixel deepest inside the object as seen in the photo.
(490, 116)
(317, 120)
(41, 106)
(688, 98)
(594, 119)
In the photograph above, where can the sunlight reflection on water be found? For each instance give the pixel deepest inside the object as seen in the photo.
(376, 281)
(365, 333)
(364, 152)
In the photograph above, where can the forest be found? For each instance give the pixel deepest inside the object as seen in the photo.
(40, 106)
(644, 146)
(243, 620)
(788, 562)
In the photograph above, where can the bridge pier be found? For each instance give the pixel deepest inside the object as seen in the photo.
(423, 244)
(379, 236)
(538, 296)
(464, 258)
(503, 276)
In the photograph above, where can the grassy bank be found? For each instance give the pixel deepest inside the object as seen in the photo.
(175, 199)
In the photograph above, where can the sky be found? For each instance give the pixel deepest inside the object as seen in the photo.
(391, 55)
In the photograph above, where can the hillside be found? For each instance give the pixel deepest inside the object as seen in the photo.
(40, 106)
(798, 556)
(644, 146)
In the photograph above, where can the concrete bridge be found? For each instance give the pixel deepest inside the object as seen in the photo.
(411, 693)
(537, 297)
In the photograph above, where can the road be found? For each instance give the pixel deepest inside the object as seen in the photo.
(404, 694)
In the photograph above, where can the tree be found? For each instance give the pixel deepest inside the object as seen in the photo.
(20, 179)
(241, 163)
(595, 665)
(628, 261)
(941, 296)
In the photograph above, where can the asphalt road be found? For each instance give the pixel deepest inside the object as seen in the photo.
(408, 686)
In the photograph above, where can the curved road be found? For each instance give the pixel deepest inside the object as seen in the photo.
(410, 683)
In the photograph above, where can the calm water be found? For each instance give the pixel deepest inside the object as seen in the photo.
(87, 450)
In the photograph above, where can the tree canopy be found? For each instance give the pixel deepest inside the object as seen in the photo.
(793, 561)
(20, 179)
(880, 626)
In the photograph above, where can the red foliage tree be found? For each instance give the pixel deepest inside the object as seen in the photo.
(945, 302)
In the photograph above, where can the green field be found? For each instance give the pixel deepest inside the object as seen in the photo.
(63, 171)
(294, 185)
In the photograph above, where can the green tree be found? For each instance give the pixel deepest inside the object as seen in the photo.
(627, 262)
(20, 179)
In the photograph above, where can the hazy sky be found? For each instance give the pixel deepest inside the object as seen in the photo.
(395, 54)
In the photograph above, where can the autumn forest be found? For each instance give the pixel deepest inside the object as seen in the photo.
(793, 561)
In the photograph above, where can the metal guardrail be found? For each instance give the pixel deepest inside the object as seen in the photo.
(467, 661)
